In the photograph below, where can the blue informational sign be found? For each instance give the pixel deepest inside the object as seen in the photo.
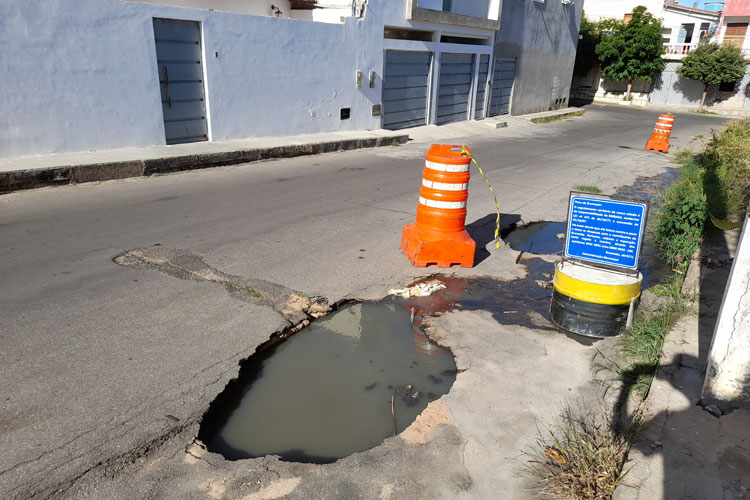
(605, 231)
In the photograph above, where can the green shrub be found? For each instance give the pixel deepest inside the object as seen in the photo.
(681, 221)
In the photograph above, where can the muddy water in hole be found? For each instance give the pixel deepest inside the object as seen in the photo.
(536, 237)
(325, 392)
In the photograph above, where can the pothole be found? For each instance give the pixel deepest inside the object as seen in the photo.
(541, 238)
(339, 386)
(361, 374)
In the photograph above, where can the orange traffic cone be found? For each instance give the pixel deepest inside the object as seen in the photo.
(660, 137)
(439, 235)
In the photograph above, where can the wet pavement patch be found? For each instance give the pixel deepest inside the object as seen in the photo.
(340, 386)
(540, 238)
(523, 302)
(650, 189)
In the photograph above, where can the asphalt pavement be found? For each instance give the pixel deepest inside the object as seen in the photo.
(106, 370)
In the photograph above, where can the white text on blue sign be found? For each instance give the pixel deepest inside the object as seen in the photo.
(605, 231)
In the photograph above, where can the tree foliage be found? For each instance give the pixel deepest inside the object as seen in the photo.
(633, 50)
(710, 63)
(586, 51)
(590, 35)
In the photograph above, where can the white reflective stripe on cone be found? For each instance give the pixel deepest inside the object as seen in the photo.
(444, 167)
(444, 186)
(441, 204)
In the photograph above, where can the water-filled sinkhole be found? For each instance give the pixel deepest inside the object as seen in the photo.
(539, 238)
(340, 386)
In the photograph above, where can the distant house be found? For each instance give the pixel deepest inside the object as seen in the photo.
(684, 28)
(100, 74)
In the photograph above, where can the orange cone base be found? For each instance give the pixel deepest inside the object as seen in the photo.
(426, 248)
(661, 145)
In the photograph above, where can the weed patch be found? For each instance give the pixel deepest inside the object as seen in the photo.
(713, 187)
(582, 455)
(548, 119)
(587, 188)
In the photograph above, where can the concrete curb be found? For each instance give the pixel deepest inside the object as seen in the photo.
(645, 479)
(18, 180)
(556, 113)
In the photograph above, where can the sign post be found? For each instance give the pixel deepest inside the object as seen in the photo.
(605, 231)
(597, 283)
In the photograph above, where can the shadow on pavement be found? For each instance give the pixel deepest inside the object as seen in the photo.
(482, 231)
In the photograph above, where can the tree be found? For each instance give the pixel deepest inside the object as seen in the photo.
(633, 50)
(590, 34)
(709, 63)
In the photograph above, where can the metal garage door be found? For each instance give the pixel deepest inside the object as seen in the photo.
(405, 85)
(671, 89)
(502, 83)
(178, 55)
(454, 93)
(484, 72)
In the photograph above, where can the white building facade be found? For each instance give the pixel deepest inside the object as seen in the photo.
(99, 74)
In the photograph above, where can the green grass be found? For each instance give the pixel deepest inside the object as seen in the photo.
(548, 119)
(713, 183)
(704, 112)
(587, 188)
(641, 345)
(583, 454)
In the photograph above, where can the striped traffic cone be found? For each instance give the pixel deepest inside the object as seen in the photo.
(439, 235)
(660, 136)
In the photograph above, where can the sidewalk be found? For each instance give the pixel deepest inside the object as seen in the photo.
(89, 166)
(686, 452)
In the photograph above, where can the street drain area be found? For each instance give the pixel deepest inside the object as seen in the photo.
(339, 386)
(541, 238)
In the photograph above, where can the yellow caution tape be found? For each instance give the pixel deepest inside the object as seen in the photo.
(497, 205)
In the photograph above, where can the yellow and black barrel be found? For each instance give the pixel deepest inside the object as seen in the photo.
(591, 301)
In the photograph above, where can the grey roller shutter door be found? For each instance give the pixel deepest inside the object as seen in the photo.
(502, 84)
(484, 73)
(179, 60)
(671, 89)
(405, 84)
(454, 93)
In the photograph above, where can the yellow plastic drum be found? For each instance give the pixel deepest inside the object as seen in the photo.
(591, 301)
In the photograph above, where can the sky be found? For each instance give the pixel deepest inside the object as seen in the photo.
(689, 3)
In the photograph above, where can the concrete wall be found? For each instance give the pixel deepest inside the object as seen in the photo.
(81, 74)
(543, 37)
(253, 7)
(476, 8)
(329, 11)
(727, 381)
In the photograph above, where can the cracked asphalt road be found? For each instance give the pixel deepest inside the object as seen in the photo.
(105, 371)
